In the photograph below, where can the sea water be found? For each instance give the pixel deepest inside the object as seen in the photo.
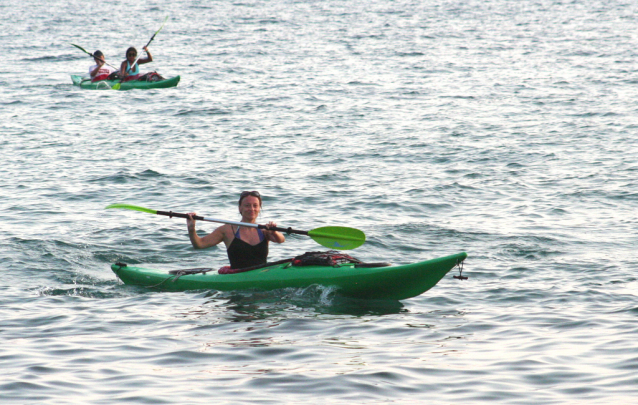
(505, 129)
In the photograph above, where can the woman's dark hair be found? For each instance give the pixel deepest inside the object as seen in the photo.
(129, 50)
(245, 194)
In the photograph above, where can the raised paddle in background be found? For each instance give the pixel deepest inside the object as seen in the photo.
(129, 69)
(333, 237)
(92, 55)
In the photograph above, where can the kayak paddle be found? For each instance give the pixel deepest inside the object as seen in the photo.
(117, 86)
(333, 237)
(91, 55)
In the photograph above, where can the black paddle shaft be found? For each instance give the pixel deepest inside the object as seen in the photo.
(288, 231)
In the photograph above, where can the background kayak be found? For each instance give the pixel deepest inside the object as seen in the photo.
(133, 84)
(392, 282)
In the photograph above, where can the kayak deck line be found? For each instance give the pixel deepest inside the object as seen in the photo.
(378, 282)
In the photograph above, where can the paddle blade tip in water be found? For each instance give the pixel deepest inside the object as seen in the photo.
(338, 237)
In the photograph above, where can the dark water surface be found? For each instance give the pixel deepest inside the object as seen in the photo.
(501, 128)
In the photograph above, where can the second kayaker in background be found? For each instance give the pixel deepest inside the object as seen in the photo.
(130, 70)
(246, 246)
(100, 71)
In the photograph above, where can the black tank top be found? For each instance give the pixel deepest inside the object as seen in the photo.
(242, 254)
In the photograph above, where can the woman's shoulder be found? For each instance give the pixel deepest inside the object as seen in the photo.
(226, 229)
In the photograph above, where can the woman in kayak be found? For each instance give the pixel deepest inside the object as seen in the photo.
(100, 71)
(131, 69)
(245, 246)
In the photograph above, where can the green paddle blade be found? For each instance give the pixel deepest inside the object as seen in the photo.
(116, 86)
(338, 237)
(157, 32)
(82, 49)
(132, 207)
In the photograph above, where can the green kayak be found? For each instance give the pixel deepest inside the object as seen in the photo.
(133, 84)
(358, 280)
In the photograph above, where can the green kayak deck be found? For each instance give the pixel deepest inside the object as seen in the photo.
(133, 84)
(390, 282)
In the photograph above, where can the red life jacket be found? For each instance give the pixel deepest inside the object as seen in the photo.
(102, 74)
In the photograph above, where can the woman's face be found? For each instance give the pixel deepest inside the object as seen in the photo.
(131, 55)
(250, 208)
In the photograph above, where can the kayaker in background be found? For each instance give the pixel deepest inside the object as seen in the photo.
(245, 246)
(100, 71)
(130, 69)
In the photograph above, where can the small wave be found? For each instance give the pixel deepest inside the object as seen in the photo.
(123, 177)
(202, 112)
(47, 58)
(79, 291)
(410, 54)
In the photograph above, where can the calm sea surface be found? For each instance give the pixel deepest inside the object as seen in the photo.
(506, 129)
